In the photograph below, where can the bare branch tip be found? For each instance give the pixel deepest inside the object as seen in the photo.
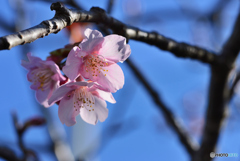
(56, 6)
(98, 10)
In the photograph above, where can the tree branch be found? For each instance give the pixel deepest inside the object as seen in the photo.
(234, 84)
(21, 129)
(185, 139)
(110, 6)
(8, 154)
(218, 95)
(65, 17)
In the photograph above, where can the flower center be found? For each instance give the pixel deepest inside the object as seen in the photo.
(41, 76)
(82, 98)
(95, 63)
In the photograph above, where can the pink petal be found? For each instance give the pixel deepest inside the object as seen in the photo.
(84, 73)
(91, 45)
(91, 34)
(66, 88)
(42, 96)
(97, 86)
(114, 48)
(71, 69)
(100, 112)
(60, 93)
(35, 86)
(33, 58)
(30, 76)
(33, 61)
(55, 77)
(52, 89)
(93, 41)
(114, 79)
(104, 95)
(49, 64)
(55, 86)
(66, 111)
(82, 84)
(25, 64)
(53, 66)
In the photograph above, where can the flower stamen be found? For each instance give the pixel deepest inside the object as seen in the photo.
(94, 63)
(42, 76)
(83, 98)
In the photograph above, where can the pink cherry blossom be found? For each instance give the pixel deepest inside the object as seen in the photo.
(45, 76)
(96, 57)
(84, 98)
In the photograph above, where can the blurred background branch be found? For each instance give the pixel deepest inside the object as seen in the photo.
(187, 141)
(9, 154)
(234, 86)
(219, 94)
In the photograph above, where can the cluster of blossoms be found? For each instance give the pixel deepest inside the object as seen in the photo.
(92, 76)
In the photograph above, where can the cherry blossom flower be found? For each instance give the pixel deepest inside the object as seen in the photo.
(95, 59)
(84, 98)
(45, 76)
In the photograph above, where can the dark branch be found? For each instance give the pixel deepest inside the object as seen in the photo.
(110, 6)
(232, 46)
(8, 154)
(219, 95)
(65, 17)
(186, 140)
(234, 84)
(178, 49)
(21, 129)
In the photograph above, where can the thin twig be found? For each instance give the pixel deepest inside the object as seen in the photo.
(110, 6)
(218, 95)
(65, 17)
(234, 84)
(21, 129)
(8, 154)
(186, 140)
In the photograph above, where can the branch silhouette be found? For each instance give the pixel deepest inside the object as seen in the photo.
(234, 85)
(65, 17)
(219, 93)
(190, 145)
